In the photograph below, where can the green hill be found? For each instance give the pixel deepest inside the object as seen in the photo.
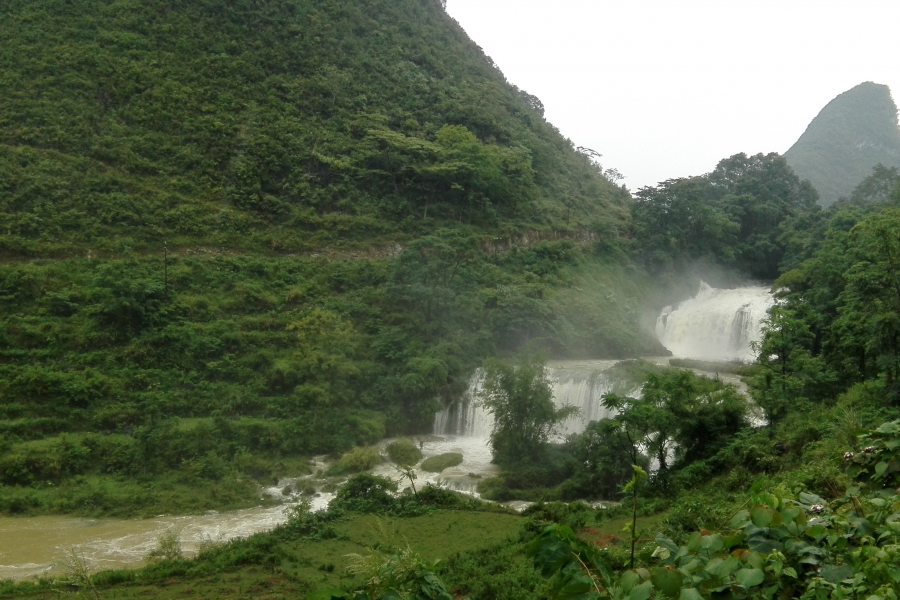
(274, 124)
(854, 132)
(236, 232)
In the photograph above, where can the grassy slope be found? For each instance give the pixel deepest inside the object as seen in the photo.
(285, 150)
(279, 125)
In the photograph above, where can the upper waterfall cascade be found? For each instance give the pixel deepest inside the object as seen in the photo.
(716, 324)
(579, 384)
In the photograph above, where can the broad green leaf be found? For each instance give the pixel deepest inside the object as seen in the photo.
(577, 587)
(816, 532)
(722, 568)
(836, 573)
(749, 577)
(770, 499)
(666, 580)
(755, 559)
(739, 519)
(810, 499)
(641, 592)
(762, 515)
(691, 566)
(759, 542)
(665, 542)
(694, 541)
(628, 580)
(789, 514)
(690, 594)
(712, 543)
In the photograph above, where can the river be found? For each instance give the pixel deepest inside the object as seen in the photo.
(715, 324)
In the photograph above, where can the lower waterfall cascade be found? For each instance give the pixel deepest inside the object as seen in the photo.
(575, 383)
(717, 324)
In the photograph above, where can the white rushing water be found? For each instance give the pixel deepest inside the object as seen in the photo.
(716, 324)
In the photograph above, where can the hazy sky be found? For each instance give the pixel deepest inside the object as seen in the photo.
(667, 88)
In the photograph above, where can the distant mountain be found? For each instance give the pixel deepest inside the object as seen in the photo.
(853, 133)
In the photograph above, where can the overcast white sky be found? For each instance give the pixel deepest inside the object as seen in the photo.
(667, 88)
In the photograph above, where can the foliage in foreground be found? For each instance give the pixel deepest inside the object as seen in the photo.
(784, 545)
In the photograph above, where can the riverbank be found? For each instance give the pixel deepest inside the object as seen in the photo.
(468, 542)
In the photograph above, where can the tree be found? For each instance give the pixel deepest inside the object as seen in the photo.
(880, 186)
(324, 360)
(733, 215)
(520, 398)
(791, 371)
(605, 458)
(679, 411)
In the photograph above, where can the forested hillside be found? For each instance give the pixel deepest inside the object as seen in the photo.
(273, 125)
(855, 132)
(236, 232)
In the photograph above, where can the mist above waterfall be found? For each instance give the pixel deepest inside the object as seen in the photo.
(716, 324)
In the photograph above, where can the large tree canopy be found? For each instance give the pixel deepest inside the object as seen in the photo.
(732, 216)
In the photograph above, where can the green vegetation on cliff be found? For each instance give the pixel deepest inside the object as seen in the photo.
(238, 232)
(275, 125)
(850, 136)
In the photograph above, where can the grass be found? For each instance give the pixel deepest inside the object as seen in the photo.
(176, 492)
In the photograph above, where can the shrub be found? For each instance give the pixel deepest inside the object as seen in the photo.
(574, 514)
(168, 547)
(438, 463)
(494, 488)
(356, 461)
(365, 493)
(404, 452)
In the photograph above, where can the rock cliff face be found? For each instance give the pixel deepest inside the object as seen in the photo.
(853, 133)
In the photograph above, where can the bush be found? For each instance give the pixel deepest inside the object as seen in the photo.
(574, 514)
(438, 463)
(168, 547)
(405, 452)
(495, 489)
(310, 525)
(356, 461)
(365, 493)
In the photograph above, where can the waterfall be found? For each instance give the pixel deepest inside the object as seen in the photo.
(465, 417)
(580, 384)
(716, 324)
